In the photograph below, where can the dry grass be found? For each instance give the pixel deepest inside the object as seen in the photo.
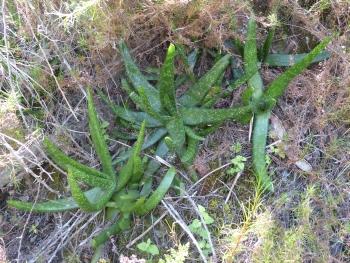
(53, 50)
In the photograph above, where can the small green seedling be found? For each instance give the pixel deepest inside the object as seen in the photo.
(198, 229)
(148, 248)
(179, 123)
(238, 164)
(120, 195)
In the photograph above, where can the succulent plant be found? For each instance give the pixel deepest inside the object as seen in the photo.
(263, 100)
(122, 194)
(179, 123)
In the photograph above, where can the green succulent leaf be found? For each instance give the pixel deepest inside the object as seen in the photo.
(130, 116)
(166, 82)
(151, 140)
(287, 60)
(63, 161)
(81, 199)
(191, 134)
(159, 193)
(112, 230)
(98, 139)
(148, 107)
(260, 132)
(198, 116)
(136, 77)
(261, 119)
(278, 86)
(251, 61)
(176, 130)
(267, 44)
(195, 95)
(190, 152)
(58, 205)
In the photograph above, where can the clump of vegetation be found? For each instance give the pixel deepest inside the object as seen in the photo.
(121, 195)
(263, 101)
(180, 123)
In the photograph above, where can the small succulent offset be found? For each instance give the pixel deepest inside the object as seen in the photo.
(121, 195)
(262, 100)
(179, 122)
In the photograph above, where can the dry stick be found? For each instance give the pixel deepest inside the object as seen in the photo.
(232, 186)
(178, 220)
(208, 174)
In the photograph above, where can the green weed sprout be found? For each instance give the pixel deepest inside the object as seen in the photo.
(120, 195)
(180, 123)
(263, 101)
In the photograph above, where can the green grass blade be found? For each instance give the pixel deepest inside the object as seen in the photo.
(98, 139)
(159, 193)
(195, 94)
(166, 82)
(136, 77)
(58, 205)
(286, 60)
(278, 86)
(197, 116)
(64, 161)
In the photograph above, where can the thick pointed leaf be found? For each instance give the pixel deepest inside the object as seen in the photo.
(93, 180)
(278, 86)
(267, 44)
(287, 60)
(64, 161)
(197, 116)
(195, 94)
(98, 139)
(131, 93)
(151, 140)
(159, 193)
(176, 130)
(130, 116)
(251, 61)
(114, 229)
(148, 107)
(166, 82)
(191, 151)
(261, 119)
(191, 134)
(81, 199)
(125, 174)
(136, 77)
(58, 205)
(260, 131)
(152, 167)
